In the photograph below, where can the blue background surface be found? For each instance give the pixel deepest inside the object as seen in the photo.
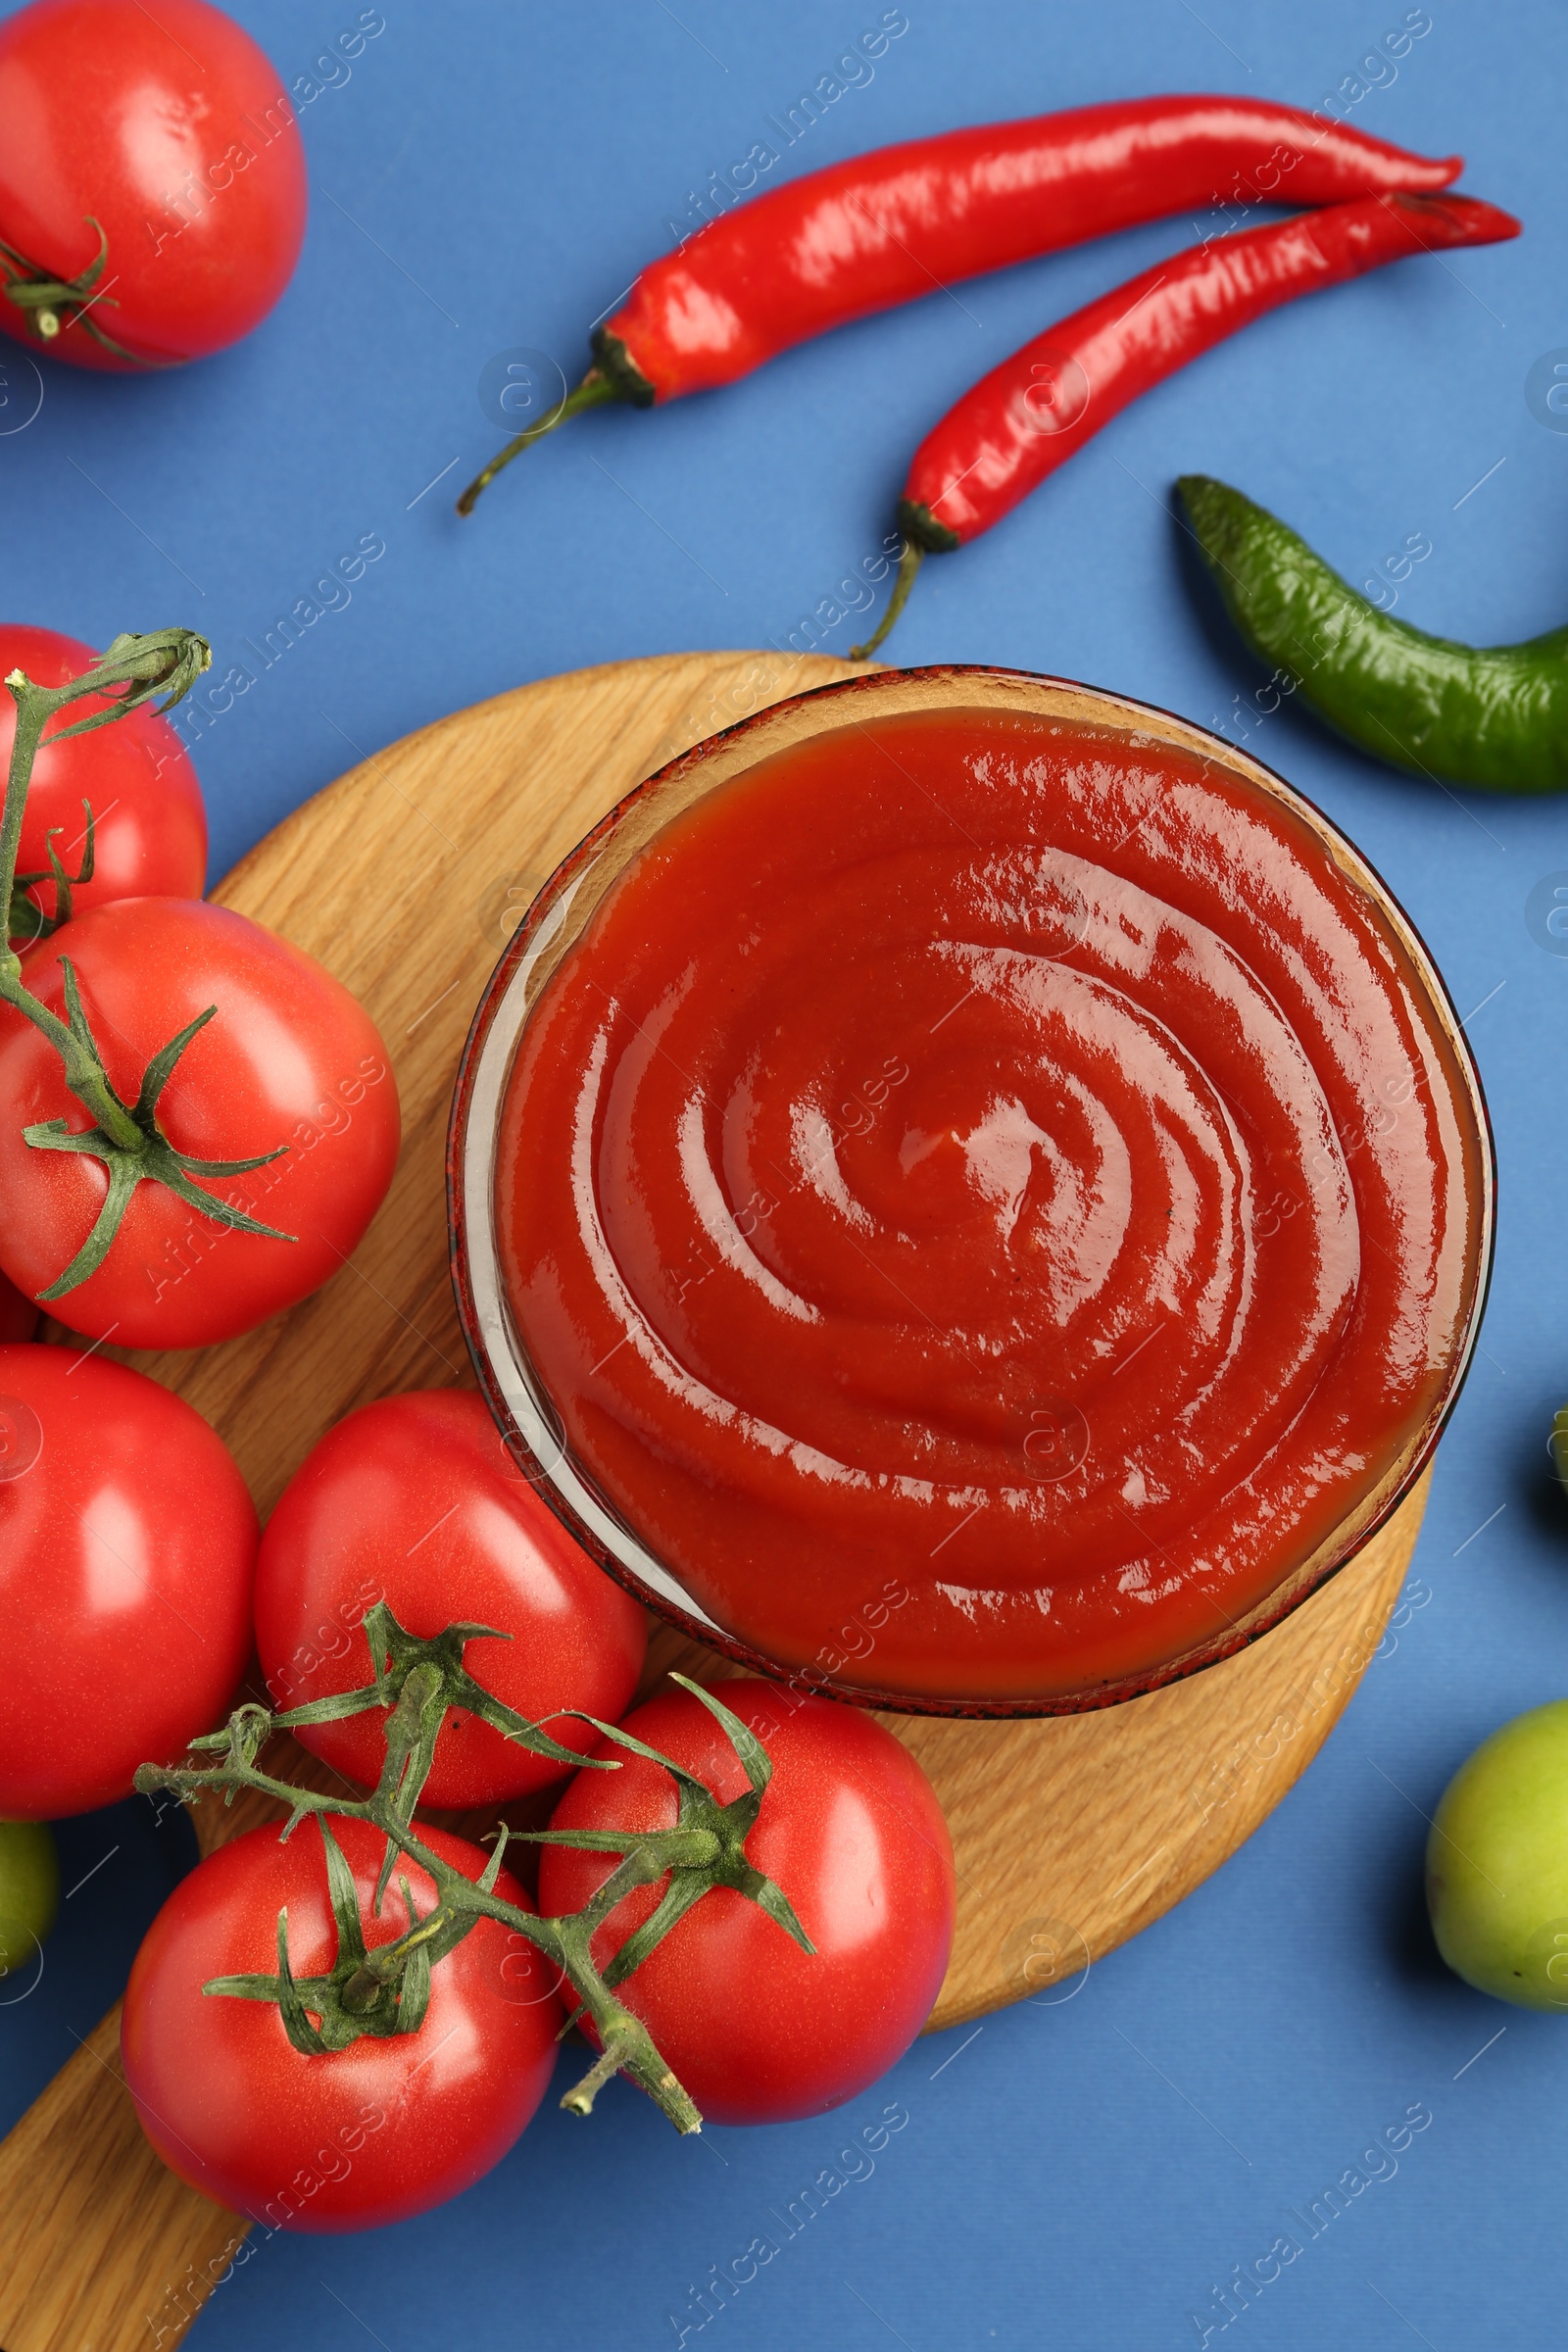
(1080, 2172)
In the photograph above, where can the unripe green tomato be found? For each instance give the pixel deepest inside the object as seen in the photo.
(29, 1891)
(1497, 1863)
(1557, 1444)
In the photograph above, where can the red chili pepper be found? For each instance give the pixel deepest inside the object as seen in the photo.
(907, 220)
(1028, 417)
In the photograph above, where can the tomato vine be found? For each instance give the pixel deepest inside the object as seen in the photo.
(126, 1136)
(386, 1990)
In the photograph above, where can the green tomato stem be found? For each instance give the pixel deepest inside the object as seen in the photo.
(385, 1990)
(133, 670)
(125, 1137)
(43, 298)
(625, 2041)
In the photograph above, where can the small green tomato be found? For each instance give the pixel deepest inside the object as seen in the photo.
(30, 1892)
(1557, 1444)
(1497, 1863)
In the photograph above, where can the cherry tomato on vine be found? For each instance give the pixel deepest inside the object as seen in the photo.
(149, 823)
(416, 1502)
(756, 2030)
(359, 2136)
(19, 1317)
(152, 181)
(290, 1059)
(127, 1554)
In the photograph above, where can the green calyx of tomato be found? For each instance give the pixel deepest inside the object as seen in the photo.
(126, 1136)
(385, 1989)
(29, 922)
(716, 1833)
(357, 1996)
(48, 303)
(419, 1681)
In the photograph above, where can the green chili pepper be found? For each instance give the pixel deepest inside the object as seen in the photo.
(1495, 716)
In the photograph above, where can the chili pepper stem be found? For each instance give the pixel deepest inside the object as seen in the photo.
(910, 563)
(595, 389)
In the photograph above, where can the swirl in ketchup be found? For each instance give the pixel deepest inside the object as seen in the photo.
(998, 1180)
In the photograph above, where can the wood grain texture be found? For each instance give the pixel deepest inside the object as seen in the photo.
(1071, 1834)
(102, 2247)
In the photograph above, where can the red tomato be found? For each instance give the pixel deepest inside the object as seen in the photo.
(416, 1502)
(127, 1551)
(291, 1059)
(19, 1317)
(169, 128)
(362, 2137)
(756, 2030)
(150, 827)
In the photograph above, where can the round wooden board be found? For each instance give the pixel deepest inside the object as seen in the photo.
(405, 878)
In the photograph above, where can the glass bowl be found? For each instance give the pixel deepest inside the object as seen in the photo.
(529, 1423)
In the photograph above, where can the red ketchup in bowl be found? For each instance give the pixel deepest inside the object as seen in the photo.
(1001, 1183)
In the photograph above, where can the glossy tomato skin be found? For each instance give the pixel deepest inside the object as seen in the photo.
(291, 1059)
(358, 2137)
(758, 2031)
(127, 1557)
(19, 1317)
(416, 1502)
(150, 823)
(170, 129)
